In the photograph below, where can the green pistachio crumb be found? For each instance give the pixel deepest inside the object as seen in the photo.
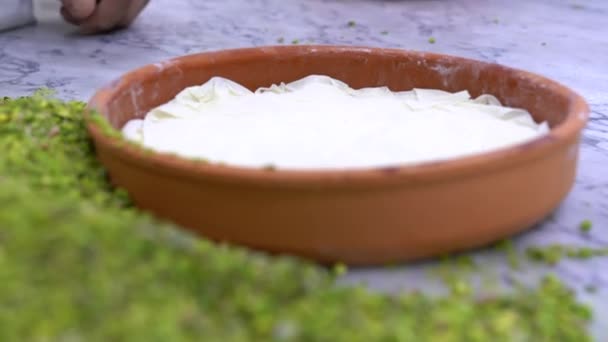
(585, 253)
(391, 265)
(506, 246)
(585, 226)
(460, 288)
(552, 254)
(466, 261)
(340, 269)
(432, 40)
(295, 41)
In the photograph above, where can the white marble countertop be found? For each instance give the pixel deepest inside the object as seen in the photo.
(564, 40)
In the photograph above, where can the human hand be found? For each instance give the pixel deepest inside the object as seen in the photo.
(99, 16)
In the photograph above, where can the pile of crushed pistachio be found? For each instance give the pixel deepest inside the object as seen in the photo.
(79, 263)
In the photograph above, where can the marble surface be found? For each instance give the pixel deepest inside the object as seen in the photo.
(564, 40)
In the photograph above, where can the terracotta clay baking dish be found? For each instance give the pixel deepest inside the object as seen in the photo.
(355, 216)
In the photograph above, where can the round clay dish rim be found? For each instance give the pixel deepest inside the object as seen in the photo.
(432, 171)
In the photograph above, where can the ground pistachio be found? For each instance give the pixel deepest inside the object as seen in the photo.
(586, 226)
(552, 254)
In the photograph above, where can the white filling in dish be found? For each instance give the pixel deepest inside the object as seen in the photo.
(320, 122)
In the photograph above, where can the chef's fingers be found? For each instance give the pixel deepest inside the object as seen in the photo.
(112, 14)
(135, 7)
(107, 16)
(79, 9)
(67, 16)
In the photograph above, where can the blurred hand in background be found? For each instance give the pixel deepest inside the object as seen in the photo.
(100, 16)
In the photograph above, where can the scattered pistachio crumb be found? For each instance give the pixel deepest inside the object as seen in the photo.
(552, 254)
(384, 33)
(340, 269)
(352, 23)
(466, 262)
(586, 226)
(432, 40)
(460, 287)
(585, 253)
(391, 265)
(506, 246)
(295, 41)
(281, 40)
